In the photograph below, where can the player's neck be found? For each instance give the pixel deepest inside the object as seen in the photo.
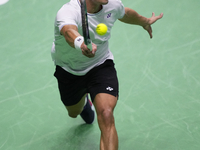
(93, 7)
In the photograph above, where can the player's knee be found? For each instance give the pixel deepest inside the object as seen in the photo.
(106, 117)
(73, 114)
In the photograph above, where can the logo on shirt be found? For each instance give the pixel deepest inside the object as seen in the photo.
(109, 15)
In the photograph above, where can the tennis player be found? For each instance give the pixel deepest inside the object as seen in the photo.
(80, 71)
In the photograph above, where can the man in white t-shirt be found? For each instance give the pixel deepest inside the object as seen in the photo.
(80, 70)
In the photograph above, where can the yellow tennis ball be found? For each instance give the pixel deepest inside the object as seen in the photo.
(101, 29)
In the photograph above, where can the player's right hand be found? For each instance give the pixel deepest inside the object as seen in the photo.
(87, 52)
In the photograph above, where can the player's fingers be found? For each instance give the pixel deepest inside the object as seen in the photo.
(88, 53)
(160, 16)
(154, 18)
(84, 52)
(153, 14)
(150, 31)
(94, 48)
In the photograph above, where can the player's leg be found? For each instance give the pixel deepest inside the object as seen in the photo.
(76, 105)
(104, 105)
(104, 93)
(84, 108)
(73, 95)
(88, 113)
(75, 110)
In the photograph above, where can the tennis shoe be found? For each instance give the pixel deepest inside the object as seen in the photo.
(88, 113)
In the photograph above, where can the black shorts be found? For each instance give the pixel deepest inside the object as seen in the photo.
(101, 79)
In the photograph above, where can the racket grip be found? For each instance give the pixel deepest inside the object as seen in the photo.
(90, 46)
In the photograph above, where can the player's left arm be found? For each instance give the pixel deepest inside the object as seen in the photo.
(132, 17)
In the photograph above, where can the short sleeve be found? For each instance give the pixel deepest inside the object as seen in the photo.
(121, 9)
(66, 16)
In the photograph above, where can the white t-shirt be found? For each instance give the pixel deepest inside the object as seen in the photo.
(73, 60)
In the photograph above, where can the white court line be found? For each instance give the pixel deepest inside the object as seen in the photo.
(3, 2)
(30, 92)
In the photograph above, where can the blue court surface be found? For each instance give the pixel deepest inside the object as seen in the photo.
(159, 102)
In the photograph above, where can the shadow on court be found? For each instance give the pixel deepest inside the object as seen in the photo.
(78, 137)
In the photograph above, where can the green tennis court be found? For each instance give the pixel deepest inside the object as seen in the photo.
(159, 103)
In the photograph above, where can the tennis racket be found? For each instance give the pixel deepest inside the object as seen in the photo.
(85, 28)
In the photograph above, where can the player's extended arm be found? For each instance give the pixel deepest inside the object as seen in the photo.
(132, 17)
(70, 32)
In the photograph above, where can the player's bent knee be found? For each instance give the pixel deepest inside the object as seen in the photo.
(106, 117)
(73, 114)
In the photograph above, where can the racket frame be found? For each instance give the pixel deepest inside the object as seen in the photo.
(85, 27)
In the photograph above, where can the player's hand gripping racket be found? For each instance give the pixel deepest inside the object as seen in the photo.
(85, 28)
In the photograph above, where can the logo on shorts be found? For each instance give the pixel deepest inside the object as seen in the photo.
(109, 88)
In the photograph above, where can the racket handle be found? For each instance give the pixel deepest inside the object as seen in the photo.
(90, 46)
